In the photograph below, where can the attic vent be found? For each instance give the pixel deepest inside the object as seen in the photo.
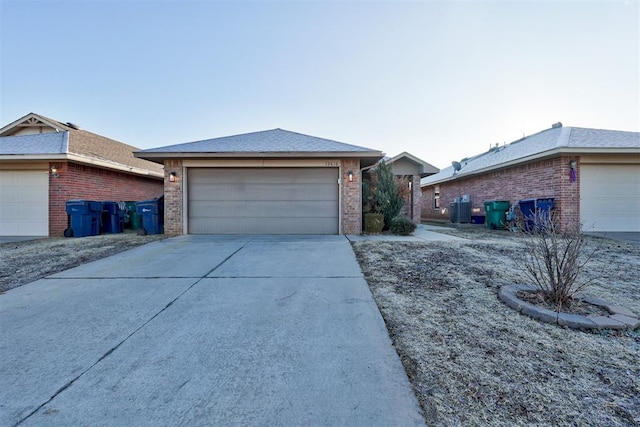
(73, 126)
(556, 125)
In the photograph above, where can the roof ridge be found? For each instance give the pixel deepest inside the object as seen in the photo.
(564, 137)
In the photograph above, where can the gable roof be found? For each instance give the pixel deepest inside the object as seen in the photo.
(550, 142)
(425, 169)
(69, 142)
(33, 120)
(268, 143)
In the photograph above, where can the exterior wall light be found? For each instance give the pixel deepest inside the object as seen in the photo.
(573, 165)
(350, 176)
(172, 176)
(54, 172)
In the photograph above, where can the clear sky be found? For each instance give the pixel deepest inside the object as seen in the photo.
(442, 80)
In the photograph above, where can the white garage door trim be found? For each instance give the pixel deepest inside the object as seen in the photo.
(24, 203)
(610, 197)
(262, 200)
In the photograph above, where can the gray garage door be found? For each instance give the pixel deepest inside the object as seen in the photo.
(263, 201)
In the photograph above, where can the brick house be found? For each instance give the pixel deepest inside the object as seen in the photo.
(412, 169)
(268, 182)
(592, 174)
(44, 163)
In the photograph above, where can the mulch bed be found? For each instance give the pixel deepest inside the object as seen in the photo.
(572, 306)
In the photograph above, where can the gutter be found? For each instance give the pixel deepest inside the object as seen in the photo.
(155, 156)
(539, 156)
(116, 166)
(84, 160)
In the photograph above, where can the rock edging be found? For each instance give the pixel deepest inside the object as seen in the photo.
(619, 317)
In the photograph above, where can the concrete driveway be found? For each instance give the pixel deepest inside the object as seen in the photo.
(203, 330)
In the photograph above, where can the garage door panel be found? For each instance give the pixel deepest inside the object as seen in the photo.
(262, 191)
(265, 175)
(266, 226)
(265, 209)
(610, 197)
(263, 200)
(24, 203)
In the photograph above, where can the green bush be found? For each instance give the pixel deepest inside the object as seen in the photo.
(402, 226)
(388, 199)
(373, 223)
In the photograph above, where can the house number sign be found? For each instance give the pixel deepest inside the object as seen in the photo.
(332, 164)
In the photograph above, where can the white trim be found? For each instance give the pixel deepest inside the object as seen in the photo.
(82, 159)
(185, 201)
(263, 163)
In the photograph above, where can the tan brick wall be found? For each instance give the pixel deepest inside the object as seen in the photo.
(77, 181)
(351, 198)
(173, 198)
(351, 194)
(537, 179)
(407, 211)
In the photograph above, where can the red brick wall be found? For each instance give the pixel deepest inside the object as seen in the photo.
(536, 179)
(351, 197)
(173, 191)
(76, 181)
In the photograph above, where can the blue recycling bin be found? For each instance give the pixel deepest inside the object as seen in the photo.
(152, 214)
(534, 210)
(112, 217)
(84, 217)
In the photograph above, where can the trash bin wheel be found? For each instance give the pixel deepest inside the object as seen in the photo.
(142, 232)
(68, 232)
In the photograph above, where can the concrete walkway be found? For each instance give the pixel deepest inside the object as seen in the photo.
(203, 330)
(421, 234)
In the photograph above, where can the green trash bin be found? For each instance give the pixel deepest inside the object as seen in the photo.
(135, 220)
(496, 211)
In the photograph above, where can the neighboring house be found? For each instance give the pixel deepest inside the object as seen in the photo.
(412, 169)
(593, 175)
(268, 182)
(44, 163)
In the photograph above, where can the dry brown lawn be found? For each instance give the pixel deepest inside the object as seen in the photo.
(473, 361)
(26, 261)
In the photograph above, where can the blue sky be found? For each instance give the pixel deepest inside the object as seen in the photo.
(442, 80)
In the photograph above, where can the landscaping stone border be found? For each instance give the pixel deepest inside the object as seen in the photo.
(619, 317)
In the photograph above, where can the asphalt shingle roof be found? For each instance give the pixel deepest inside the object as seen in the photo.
(72, 141)
(95, 146)
(41, 143)
(558, 138)
(268, 141)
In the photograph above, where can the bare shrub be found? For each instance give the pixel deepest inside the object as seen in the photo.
(554, 259)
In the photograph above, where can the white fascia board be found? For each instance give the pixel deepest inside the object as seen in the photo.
(114, 166)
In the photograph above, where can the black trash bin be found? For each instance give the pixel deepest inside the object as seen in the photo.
(534, 210)
(84, 218)
(152, 214)
(112, 217)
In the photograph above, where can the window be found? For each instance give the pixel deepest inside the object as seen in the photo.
(436, 197)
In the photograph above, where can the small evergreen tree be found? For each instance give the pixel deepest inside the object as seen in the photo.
(389, 202)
